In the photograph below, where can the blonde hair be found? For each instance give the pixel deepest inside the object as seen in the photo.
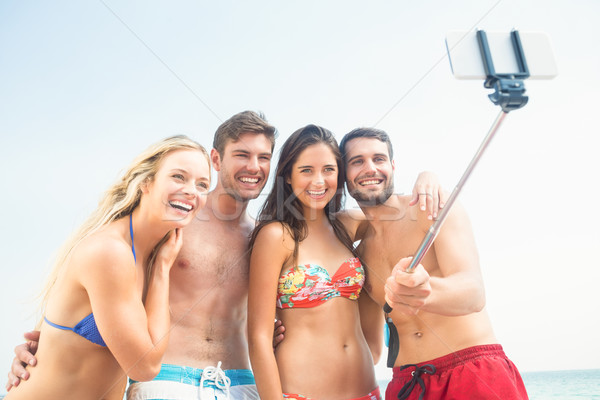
(120, 200)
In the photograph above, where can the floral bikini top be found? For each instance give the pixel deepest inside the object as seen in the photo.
(310, 285)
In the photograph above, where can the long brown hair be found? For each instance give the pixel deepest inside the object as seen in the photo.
(283, 206)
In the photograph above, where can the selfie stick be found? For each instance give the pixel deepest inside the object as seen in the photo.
(510, 95)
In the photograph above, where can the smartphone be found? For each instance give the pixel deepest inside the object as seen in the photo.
(466, 62)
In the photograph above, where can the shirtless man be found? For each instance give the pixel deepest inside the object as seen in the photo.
(438, 309)
(209, 279)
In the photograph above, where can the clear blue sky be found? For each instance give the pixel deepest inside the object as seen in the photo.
(85, 86)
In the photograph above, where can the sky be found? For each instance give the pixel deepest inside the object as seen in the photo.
(87, 85)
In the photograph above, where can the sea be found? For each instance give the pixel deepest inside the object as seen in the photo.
(581, 384)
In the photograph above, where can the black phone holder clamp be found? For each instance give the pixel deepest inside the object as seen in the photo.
(509, 89)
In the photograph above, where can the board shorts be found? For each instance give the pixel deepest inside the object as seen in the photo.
(175, 382)
(479, 372)
(373, 395)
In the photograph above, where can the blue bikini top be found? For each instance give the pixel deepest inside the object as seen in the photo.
(87, 327)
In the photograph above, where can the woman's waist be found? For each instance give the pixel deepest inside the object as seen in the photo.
(61, 367)
(315, 348)
(329, 369)
(59, 384)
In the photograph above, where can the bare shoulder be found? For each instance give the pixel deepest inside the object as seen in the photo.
(458, 209)
(414, 213)
(274, 233)
(458, 216)
(103, 253)
(274, 243)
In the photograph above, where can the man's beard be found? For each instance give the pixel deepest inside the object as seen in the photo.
(229, 184)
(366, 199)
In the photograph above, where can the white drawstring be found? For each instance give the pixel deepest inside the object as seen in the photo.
(217, 376)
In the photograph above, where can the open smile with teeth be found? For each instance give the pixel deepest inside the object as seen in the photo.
(316, 193)
(181, 205)
(371, 182)
(246, 179)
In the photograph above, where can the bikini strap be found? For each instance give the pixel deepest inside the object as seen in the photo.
(131, 233)
(64, 328)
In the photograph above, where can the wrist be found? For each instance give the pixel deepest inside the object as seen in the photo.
(161, 270)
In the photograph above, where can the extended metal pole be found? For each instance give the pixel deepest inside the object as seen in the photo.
(434, 229)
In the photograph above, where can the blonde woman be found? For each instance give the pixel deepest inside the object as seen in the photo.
(105, 308)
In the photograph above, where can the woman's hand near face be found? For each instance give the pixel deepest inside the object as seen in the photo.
(170, 249)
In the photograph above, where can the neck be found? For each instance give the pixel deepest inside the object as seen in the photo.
(314, 217)
(146, 232)
(388, 211)
(226, 207)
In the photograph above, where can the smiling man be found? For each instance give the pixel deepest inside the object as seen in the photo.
(447, 347)
(208, 346)
(207, 354)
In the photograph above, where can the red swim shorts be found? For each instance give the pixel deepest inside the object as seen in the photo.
(479, 372)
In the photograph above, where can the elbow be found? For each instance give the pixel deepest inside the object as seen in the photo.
(477, 307)
(256, 345)
(259, 335)
(259, 347)
(252, 339)
(145, 371)
(478, 300)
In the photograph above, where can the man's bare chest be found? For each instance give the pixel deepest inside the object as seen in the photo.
(214, 256)
(381, 252)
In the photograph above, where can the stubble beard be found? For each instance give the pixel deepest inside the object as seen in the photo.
(229, 185)
(366, 199)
